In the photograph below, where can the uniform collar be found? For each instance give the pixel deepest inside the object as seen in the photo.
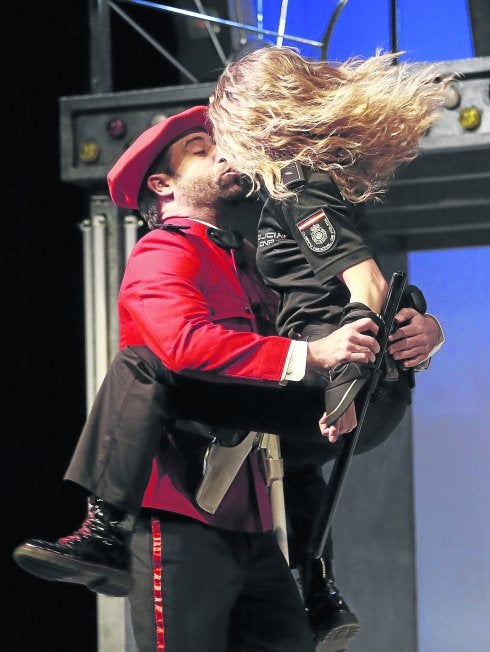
(225, 238)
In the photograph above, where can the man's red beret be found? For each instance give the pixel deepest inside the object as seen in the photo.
(127, 175)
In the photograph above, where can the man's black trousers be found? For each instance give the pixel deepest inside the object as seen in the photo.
(139, 397)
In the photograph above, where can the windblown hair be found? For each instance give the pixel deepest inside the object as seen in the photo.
(358, 120)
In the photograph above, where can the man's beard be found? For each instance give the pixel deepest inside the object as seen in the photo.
(211, 192)
(232, 195)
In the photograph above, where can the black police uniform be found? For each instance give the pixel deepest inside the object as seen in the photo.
(303, 244)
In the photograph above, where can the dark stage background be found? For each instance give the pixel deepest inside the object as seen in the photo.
(45, 55)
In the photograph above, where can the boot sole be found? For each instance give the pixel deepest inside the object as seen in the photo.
(337, 639)
(60, 568)
(335, 632)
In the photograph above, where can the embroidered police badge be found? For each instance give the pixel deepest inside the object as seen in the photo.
(318, 231)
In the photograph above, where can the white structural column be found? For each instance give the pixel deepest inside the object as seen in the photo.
(107, 240)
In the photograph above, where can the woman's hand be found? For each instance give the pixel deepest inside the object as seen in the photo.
(345, 423)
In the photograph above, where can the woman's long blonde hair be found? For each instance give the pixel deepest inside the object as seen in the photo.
(357, 120)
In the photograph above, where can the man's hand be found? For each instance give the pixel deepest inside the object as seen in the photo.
(350, 343)
(345, 423)
(414, 342)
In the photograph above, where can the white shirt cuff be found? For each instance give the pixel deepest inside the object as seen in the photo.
(295, 365)
(425, 363)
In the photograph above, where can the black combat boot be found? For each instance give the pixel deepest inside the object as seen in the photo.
(96, 555)
(333, 623)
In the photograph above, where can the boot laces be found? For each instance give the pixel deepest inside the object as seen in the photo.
(93, 526)
(83, 532)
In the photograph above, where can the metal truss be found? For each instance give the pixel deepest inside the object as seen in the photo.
(240, 24)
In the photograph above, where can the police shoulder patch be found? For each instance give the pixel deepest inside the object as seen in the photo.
(318, 231)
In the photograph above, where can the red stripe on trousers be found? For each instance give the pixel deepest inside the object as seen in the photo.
(157, 583)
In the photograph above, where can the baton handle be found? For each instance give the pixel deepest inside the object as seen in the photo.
(348, 442)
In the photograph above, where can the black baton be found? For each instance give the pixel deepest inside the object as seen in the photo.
(348, 442)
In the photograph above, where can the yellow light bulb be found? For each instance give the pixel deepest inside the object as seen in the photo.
(470, 118)
(89, 151)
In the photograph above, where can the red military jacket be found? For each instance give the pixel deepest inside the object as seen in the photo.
(185, 298)
(181, 296)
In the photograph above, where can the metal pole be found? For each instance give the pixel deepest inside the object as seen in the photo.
(323, 521)
(282, 23)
